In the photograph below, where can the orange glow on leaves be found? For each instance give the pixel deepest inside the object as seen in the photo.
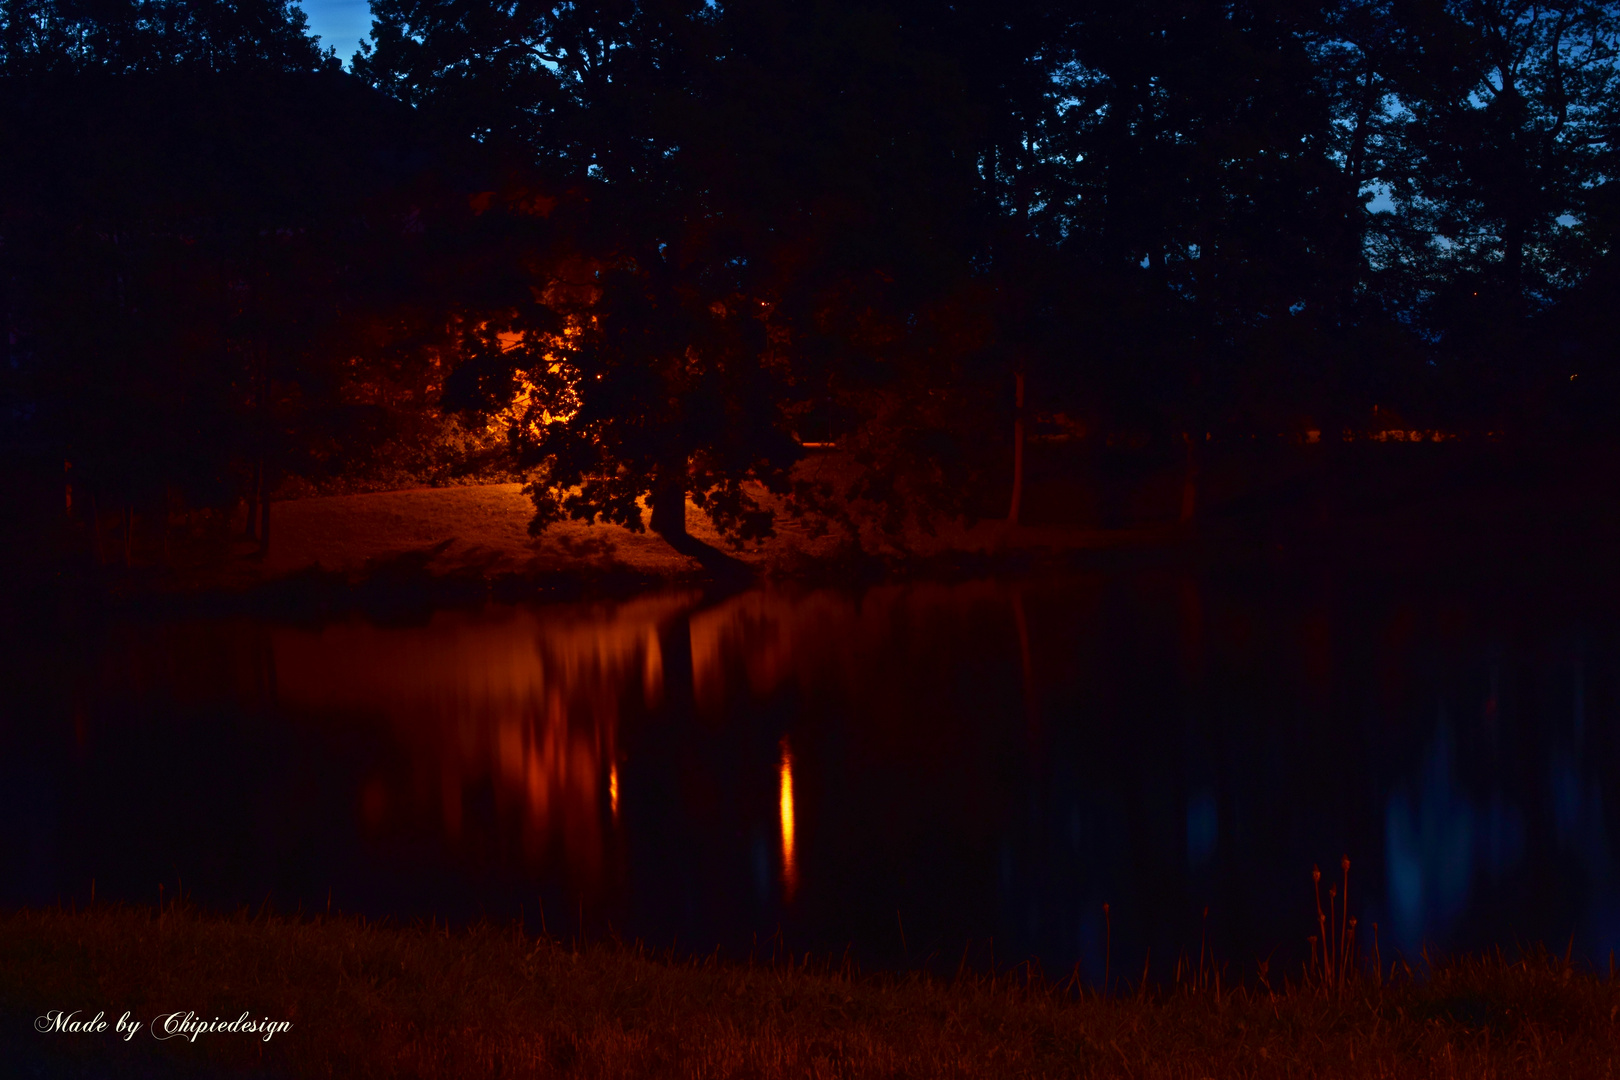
(534, 406)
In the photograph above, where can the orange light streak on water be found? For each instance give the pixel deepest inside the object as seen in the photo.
(613, 789)
(790, 866)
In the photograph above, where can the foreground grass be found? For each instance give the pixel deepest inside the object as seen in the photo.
(374, 1001)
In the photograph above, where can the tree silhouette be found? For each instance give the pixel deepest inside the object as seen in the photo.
(664, 239)
(145, 36)
(1498, 156)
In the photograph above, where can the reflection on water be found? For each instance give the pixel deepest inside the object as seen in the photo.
(1203, 826)
(790, 866)
(1429, 847)
(988, 761)
(524, 707)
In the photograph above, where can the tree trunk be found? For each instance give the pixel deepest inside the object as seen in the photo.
(669, 520)
(1018, 450)
(679, 689)
(669, 500)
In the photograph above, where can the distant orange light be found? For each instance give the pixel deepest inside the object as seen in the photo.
(613, 789)
(790, 866)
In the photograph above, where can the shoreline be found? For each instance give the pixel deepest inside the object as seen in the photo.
(1584, 570)
(1413, 509)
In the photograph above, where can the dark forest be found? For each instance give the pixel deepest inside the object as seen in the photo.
(633, 250)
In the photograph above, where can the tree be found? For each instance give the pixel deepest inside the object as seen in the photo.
(132, 36)
(192, 254)
(1205, 213)
(1499, 155)
(757, 202)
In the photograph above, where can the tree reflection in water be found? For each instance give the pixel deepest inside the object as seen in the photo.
(522, 708)
(524, 704)
(988, 758)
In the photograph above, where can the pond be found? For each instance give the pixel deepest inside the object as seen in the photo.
(924, 775)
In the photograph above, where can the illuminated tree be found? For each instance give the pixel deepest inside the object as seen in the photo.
(766, 204)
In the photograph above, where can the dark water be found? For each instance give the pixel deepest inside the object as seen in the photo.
(915, 773)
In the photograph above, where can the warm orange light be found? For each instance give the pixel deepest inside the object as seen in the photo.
(528, 405)
(613, 789)
(790, 866)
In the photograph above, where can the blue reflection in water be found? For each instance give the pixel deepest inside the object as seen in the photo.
(1203, 823)
(1565, 785)
(1580, 828)
(1429, 848)
(1452, 860)
(1501, 836)
(1578, 818)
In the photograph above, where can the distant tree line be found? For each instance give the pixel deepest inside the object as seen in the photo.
(686, 237)
(224, 263)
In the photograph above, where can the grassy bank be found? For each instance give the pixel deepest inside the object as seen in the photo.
(366, 1001)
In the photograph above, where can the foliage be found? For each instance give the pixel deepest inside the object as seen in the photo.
(747, 240)
(1498, 157)
(707, 229)
(144, 36)
(184, 300)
